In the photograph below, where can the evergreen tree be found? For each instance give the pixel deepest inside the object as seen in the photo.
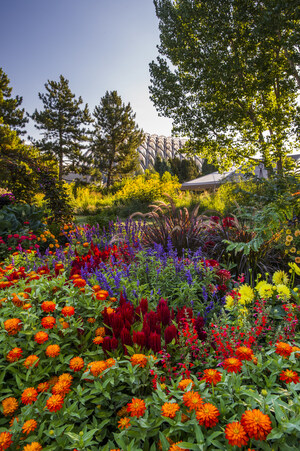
(228, 75)
(162, 166)
(116, 138)
(62, 122)
(10, 112)
(185, 169)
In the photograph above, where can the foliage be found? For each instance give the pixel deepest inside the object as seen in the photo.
(116, 137)
(10, 112)
(185, 169)
(62, 123)
(228, 76)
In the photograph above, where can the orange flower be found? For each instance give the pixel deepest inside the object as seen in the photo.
(29, 395)
(66, 377)
(31, 360)
(65, 325)
(236, 434)
(101, 295)
(52, 351)
(9, 405)
(12, 326)
(79, 283)
(100, 332)
(48, 322)
(294, 349)
(5, 440)
(139, 359)
(174, 447)
(55, 403)
(26, 306)
(11, 423)
(207, 415)
(68, 311)
(136, 407)
(192, 400)
(14, 355)
(41, 337)
(48, 306)
(98, 340)
(124, 423)
(91, 320)
(42, 387)
(61, 388)
(97, 367)
(256, 424)
(33, 446)
(283, 349)
(169, 409)
(184, 383)
(110, 362)
(232, 365)
(212, 376)
(76, 364)
(29, 426)
(244, 353)
(289, 376)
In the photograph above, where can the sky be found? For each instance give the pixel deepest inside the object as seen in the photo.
(98, 45)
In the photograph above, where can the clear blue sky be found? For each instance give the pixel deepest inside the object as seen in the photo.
(98, 45)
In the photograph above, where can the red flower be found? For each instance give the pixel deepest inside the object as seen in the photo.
(289, 376)
(232, 365)
(68, 311)
(48, 322)
(256, 424)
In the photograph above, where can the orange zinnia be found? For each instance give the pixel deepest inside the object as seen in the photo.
(79, 282)
(48, 322)
(244, 353)
(14, 355)
(289, 376)
(97, 367)
(207, 415)
(139, 359)
(5, 440)
(98, 340)
(31, 360)
(100, 332)
(283, 349)
(41, 337)
(29, 395)
(169, 409)
(29, 426)
(184, 383)
(33, 446)
(110, 362)
(76, 364)
(48, 306)
(42, 387)
(174, 447)
(9, 405)
(256, 424)
(66, 377)
(212, 376)
(55, 403)
(124, 423)
(136, 407)
(61, 388)
(232, 365)
(192, 400)
(52, 351)
(236, 434)
(12, 326)
(68, 311)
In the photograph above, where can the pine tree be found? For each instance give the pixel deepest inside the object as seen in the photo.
(62, 122)
(116, 138)
(10, 112)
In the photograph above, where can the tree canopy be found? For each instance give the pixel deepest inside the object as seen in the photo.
(63, 124)
(116, 138)
(228, 75)
(10, 112)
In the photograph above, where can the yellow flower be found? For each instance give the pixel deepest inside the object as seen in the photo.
(295, 268)
(293, 250)
(288, 231)
(283, 292)
(280, 277)
(289, 238)
(246, 294)
(266, 291)
(229, 302)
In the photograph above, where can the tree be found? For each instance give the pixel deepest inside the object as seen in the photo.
(10, 112)
(229, 76)
(185, 169)
(161, 166)
(116, 138)
(62, 122)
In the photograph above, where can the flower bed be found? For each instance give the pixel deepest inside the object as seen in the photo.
(106, 345)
